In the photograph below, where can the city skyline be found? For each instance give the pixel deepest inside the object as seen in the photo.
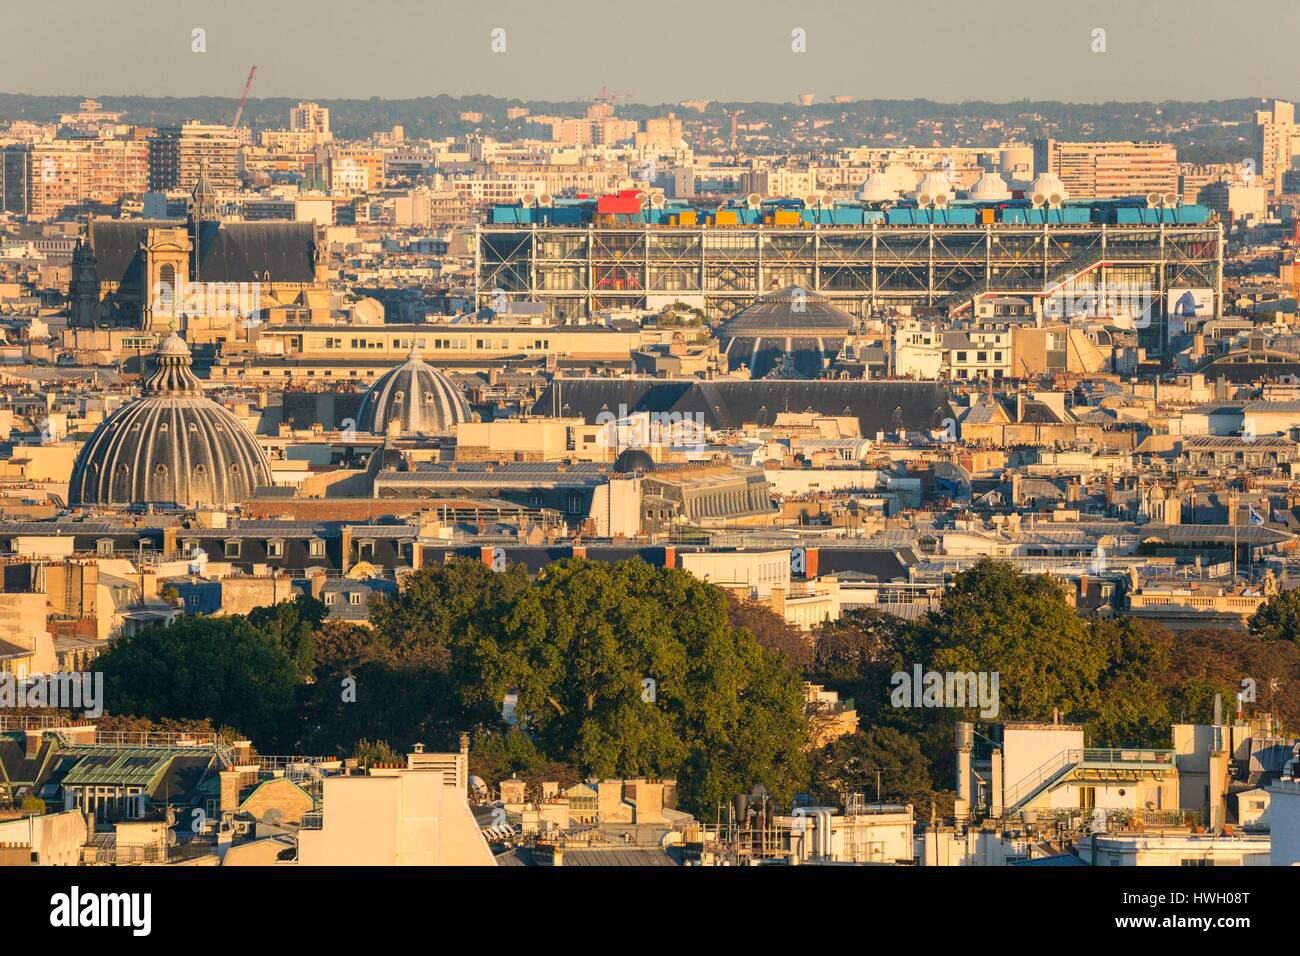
(700, 434)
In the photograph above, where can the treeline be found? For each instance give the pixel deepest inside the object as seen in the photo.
(619, 670)
(1198, 129)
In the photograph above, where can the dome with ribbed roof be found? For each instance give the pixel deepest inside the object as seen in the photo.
(416, 395)
(791, 332)
(171, 447)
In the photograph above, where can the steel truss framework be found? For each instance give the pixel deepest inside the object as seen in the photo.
(863, 269)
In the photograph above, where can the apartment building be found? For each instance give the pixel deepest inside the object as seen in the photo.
(1110, 170)
(178, 154)
(1277, 143)
(311, 118)
(46, 180)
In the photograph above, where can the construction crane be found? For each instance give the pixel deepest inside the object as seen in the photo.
(606, 96)
(243, 99)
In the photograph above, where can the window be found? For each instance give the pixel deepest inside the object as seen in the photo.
(275, 548)
(232, 548)
(316, 548)
(366, 550)
(104, 546)
(575, 504)
(354, 597)
(331, 598)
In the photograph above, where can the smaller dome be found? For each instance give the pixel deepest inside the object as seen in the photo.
(418, 396)
(1049, 187)
(931, 187)
(877, 188)
(990, 188)
(632, 460)
(173, 345)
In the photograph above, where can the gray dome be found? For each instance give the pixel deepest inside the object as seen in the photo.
(793, 331)
(417, 395)
(171, 447)
(632, 460)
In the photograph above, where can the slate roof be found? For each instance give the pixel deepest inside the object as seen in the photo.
(228, 251)
(920, 406)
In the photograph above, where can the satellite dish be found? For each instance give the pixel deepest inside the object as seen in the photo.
(530, 199)
(941, 200)
(753, 200)
(923, 199)
(1038, 200)
(657, 200)
(1153, 199)
(1171, 199)
(1055, 199)
(811, 200)
(545, 199)
(828, 199)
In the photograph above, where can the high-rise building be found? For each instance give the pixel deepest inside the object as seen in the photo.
(1111, 170)
(178, 154)
(1277, 143)
(311, 118)
(47, 180)
(662, 134)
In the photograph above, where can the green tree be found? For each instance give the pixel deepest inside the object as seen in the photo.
(856, 762)
(371, 752)
(771, 630)
(1278, 618)
(293, 625)
(618, 670)
(221, 669)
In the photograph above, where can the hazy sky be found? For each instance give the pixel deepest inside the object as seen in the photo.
(657, 50)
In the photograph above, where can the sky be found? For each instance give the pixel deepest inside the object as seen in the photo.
(657, 51)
